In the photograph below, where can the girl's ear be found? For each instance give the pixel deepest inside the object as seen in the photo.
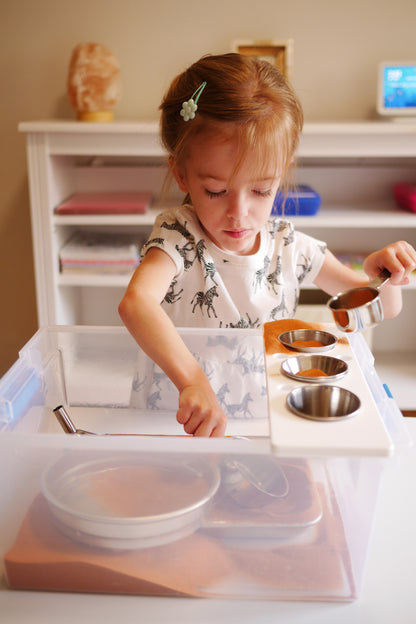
(179, 175)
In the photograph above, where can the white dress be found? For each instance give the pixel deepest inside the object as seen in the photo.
(215, 289)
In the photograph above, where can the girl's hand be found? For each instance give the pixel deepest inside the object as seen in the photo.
(200, 413)
(399, 258)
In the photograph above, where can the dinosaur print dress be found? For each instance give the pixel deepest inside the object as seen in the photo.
(214, 289)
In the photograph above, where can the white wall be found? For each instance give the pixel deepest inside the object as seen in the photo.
(337, 46)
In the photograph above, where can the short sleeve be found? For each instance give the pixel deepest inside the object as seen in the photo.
(174, 233)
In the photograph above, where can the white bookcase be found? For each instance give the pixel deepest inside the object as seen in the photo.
(353, 166)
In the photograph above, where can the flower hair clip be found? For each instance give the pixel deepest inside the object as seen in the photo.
(189, 108)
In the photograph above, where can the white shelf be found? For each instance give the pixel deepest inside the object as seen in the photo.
(353, 166)
(107, 279)
(328, 216)
(146, 219)
(358, 216)
(93, 279)
(334, 139)
(357, 140)
(63, 126)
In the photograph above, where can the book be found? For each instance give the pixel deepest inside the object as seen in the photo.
(105, 203)
(100, 252)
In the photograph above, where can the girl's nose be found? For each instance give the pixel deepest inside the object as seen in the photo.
(237, 207)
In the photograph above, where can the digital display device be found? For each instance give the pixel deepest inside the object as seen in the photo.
(397, 89)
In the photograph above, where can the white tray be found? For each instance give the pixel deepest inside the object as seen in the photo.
(363, 434)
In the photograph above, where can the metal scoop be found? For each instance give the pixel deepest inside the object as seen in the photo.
(359, 308)
(66, 422)
(69, 427)
(251, 480)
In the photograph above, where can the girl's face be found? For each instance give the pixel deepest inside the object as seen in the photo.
(232, 209)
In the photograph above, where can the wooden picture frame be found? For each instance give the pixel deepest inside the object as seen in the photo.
(278, 53)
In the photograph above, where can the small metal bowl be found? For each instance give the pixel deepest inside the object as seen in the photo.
(323, 403)
(307, 367)
(324, 341)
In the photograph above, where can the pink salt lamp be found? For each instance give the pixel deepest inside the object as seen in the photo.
(93, 82)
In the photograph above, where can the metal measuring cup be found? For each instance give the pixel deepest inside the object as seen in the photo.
(359, 308)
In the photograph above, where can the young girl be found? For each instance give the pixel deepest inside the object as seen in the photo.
(231, 127)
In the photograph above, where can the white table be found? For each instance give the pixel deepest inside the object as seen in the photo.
(389, 592)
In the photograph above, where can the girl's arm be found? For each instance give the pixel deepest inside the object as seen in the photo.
(399, 258)
(140, 311)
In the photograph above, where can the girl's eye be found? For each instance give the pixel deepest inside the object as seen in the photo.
(213, 195)
(266, 193)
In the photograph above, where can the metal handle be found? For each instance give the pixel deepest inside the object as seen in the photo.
(69, 427)
(64, 419)
(381, 279)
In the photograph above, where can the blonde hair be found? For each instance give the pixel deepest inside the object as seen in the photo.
(249, 93)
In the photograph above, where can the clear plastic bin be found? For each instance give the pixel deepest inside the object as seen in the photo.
(144, 509)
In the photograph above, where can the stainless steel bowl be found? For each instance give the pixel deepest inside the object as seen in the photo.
(129, 501)
(307, 367)
(325, 341)
(324, 403)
